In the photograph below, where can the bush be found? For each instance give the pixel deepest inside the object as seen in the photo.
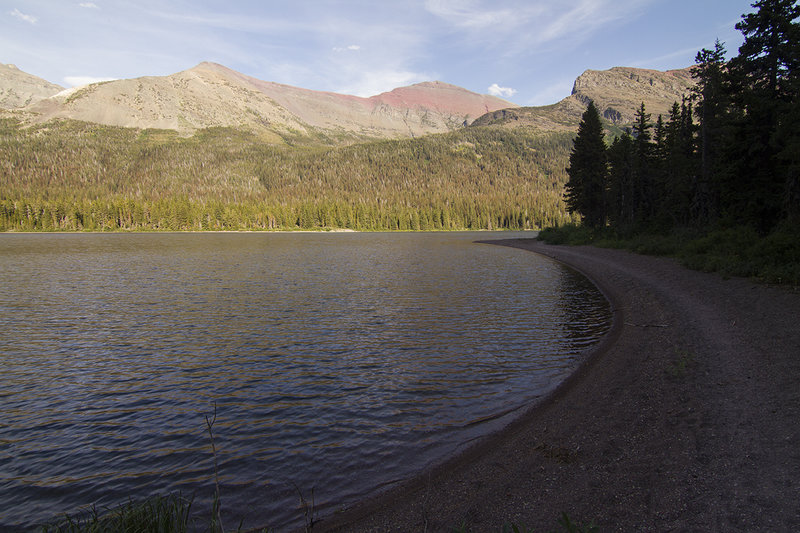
(737, 251)
(572, 234)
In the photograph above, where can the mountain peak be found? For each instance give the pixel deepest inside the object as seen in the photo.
(618, 93)
(210, 94)
(19, 89)
(210, 65)
(443, 97)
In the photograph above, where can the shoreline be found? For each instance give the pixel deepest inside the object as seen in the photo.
(265, 231)
(684, 417)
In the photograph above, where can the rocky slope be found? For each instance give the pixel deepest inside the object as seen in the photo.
(212, 95)
(19, 89)
(617, 93)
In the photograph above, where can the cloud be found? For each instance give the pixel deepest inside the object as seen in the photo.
(467, 14)
(90, 5)
(501, 92)
(76, 81)
(22, 16)
(351, 48)
(520, 25)
(585, 16)
(658, 62)
(552, 93)
(381, 81)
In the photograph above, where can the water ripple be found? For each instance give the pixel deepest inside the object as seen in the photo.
(338, 362)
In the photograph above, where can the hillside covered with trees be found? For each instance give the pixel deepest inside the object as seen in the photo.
(73, 176)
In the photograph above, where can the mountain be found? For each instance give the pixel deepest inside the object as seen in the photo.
(78, 175)
(618, 93)
(211, 95)
(19, 89)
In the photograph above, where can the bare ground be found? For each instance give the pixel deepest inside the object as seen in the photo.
(686, 418)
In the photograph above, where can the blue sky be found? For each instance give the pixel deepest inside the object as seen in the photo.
(528, 52)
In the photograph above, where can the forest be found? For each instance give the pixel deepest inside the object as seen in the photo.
(720, 171)
(75, 176)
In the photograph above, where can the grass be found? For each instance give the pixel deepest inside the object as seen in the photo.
(160, 514)
(736, 251)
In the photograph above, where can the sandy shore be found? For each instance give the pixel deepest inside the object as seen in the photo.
(686, 418)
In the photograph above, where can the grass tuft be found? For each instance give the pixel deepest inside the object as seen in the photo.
(159, 514)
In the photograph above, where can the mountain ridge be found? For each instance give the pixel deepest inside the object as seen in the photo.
(19, 89)
(617, 92)
(210, 94)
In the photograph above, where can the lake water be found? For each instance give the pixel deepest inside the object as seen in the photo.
(339, 362)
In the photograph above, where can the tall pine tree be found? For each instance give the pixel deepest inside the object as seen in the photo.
(711, 94)
(586, 188)
(764, 76)
(620, 182)
(642, 182)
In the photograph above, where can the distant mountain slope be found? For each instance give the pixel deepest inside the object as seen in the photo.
(211, 95)
(617, 93)
(19, 89)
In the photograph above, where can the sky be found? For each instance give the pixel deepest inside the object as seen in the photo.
(526, 51)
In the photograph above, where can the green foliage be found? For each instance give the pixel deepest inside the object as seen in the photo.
(724, 194)
(572, 234)
(738, 251)
(648, 243)
(73, 176)
(566, 523)
(741, 251)
(760, 173)
(514, 528)
(588, 170)
(168, 514)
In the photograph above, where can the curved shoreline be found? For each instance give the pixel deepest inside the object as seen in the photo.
(685, 417)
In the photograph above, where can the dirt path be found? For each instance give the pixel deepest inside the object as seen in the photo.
(687, 418)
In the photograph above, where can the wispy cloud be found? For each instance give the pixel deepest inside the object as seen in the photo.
(256, 23)
(576, 20)
(351, 48)
(380, 81)
(551, 93)
(90, 5)
(77, 81)
(655, 62)
(520, 24)
(468, 14)
(501, 92)
(22, 16)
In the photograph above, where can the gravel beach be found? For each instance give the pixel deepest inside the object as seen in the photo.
(686, 417)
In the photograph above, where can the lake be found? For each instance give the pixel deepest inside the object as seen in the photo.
(338, 362)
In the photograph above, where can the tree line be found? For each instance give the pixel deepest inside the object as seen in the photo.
(728, 155)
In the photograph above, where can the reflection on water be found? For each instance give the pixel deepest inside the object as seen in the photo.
(340, 362)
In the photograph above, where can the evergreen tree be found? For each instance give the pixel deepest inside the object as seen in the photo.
(680, 164)
(711, 94)
(642, 179)
(764, 77)
(585, 190)
(620, 182)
